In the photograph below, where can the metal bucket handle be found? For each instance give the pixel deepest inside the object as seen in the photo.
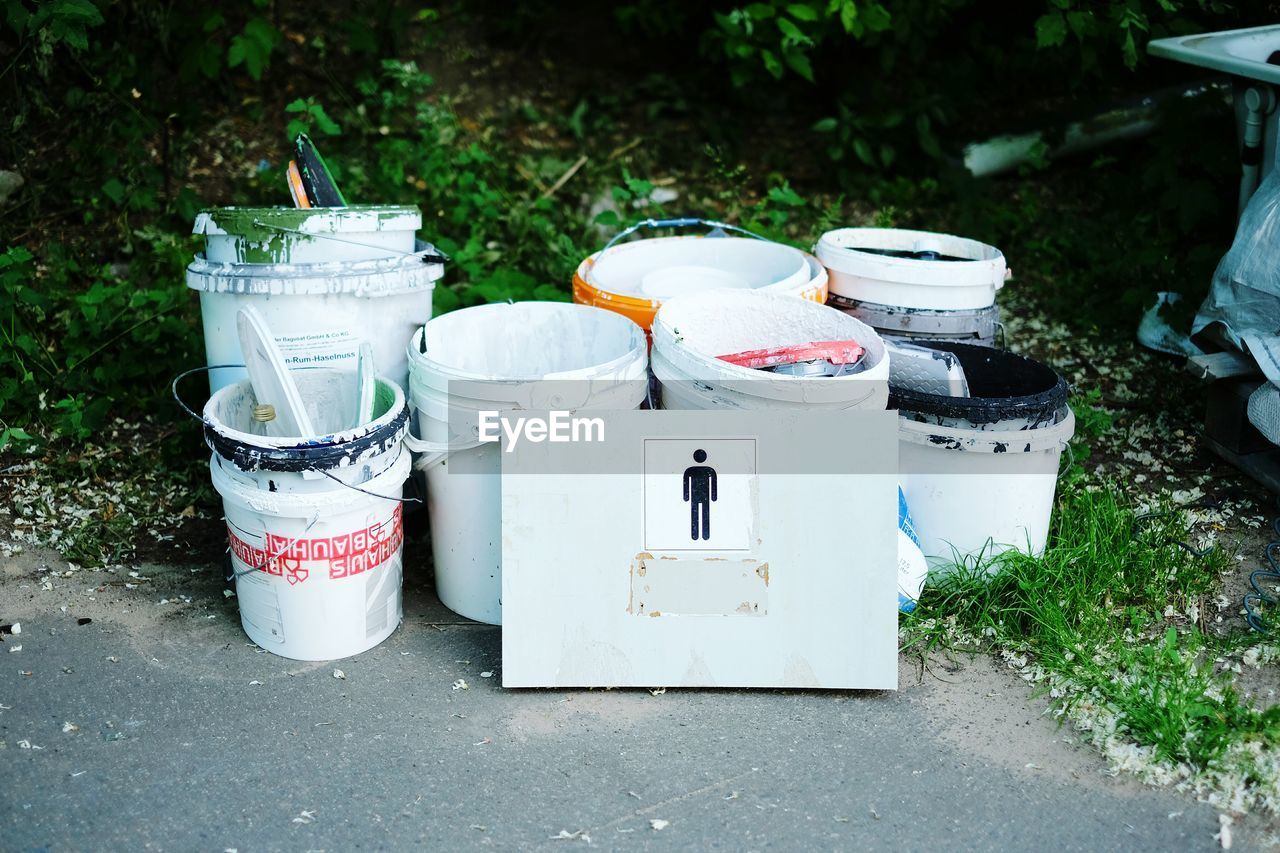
(173, 386)
(684, 222)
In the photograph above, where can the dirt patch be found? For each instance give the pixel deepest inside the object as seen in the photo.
(144, 603)
(987, 711)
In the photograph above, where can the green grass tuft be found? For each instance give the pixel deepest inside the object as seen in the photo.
(1108, 618)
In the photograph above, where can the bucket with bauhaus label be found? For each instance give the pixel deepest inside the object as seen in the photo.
(314, 523)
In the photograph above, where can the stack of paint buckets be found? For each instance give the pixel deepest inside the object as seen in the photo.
(979, 464)
(315, 520)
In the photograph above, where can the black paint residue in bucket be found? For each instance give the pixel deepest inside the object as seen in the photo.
(910, 254)
(322, 453)
(1002, 386)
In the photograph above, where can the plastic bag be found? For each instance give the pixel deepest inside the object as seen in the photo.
(1244, 298)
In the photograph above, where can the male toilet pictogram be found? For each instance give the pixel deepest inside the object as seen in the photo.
(684, 479)
(699, 492)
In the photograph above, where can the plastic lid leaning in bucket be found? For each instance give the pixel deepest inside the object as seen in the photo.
(287, 235)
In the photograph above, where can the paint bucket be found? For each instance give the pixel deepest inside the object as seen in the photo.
(691, 332)
(634, 278)
(314, 523)
(979, 472)
(287, 235)
(911, 269)
(318, 313)
(967, 325)
(503, 357)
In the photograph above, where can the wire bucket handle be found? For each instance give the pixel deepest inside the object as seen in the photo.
(717, 229)
(177, 397)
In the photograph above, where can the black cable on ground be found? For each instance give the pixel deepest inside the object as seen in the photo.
(1254, 601)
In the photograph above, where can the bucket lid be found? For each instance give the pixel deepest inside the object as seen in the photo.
(262, 224)
(366, 384)
(874, 252)
(272, 384)
(378, 277)
(662, 267)
(1003, 386)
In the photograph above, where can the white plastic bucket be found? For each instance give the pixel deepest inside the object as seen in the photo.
(691, 332)
(503, 353)
(314, 523)
(979, 473)
(286, 235)
(978, 493)
(969, 281)
(318, 313)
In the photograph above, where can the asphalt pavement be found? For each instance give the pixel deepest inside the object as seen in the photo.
(161, 727)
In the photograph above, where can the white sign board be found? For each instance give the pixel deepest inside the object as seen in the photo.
(719, 549)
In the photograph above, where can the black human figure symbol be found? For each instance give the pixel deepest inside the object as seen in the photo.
(699, 491)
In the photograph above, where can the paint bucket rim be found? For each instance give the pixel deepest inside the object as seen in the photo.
(373, 277)
(638, 345)
(1035, 406)
(1046, 436)
(981, 264)
(249, 452)
(241, 222)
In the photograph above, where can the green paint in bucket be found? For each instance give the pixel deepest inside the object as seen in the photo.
(287, 235)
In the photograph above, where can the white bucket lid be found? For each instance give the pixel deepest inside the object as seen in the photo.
(370, 278)
(983, 265)
(662, 267)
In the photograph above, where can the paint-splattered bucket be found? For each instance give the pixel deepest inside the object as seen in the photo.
(286, 235)
(320, 309)
(692, 332)
(968, 325)
(314, 522)
(634, 278)
(502, 358)
(911, 269)
(979, 472)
